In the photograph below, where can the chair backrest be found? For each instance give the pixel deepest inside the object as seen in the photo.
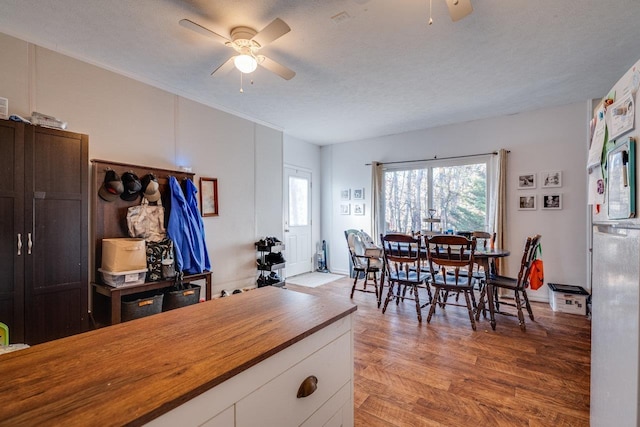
(528, 255)
(352, 242)
(484, 239)
(401, 254)
(448, 255)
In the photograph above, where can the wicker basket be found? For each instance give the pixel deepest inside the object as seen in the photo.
(176, 298)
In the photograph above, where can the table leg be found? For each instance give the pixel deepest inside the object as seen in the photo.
(484, 263)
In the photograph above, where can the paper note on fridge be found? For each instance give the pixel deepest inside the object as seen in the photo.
(621, 116)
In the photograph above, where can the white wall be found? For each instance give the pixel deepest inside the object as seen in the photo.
(131, 122)
(547, 139)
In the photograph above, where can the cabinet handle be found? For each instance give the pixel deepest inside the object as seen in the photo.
(19, 244)
(29, 244)
(308, 386)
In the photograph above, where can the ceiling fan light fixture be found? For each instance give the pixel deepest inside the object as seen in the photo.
(245, 63)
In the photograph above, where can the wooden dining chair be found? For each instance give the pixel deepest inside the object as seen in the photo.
(485, 241)
(448, 256)
(518, 285)
(363, 265)
(402, 257)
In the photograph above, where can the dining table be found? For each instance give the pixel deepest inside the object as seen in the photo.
(483, 257)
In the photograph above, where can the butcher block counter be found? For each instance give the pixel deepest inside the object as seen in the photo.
(240, 360)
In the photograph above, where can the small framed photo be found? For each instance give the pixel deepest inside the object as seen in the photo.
(358, 194)
(527, 203)
(358, 208)
(345, 194)
(526, 181)
(552, 201)
(209, 196)
(345, 209)
(551, 179)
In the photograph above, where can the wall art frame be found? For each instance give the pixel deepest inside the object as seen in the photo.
(209, 196)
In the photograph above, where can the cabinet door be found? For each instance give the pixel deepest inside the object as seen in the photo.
(11, 226)
(56, 228)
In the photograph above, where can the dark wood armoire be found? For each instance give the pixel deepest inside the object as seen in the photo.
(43, 232)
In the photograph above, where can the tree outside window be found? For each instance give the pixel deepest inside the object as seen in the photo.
(458, 195)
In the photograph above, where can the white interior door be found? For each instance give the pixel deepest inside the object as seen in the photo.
(297, 221)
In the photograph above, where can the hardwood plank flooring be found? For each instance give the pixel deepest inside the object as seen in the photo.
(445, 374)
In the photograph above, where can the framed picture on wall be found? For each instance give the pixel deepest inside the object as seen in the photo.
(527, 203)
(358, 208)
(345, 194)
(526, 181)
(345, 209)
(552, 201)
(551, 179)
(209, 196)
(358, 193)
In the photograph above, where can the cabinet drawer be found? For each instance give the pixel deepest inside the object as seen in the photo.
(276, 403)
(337, 412)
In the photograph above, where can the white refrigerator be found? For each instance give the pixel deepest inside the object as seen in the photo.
(615, 289)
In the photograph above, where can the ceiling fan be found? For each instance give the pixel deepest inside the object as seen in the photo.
(247, 42)
(458, 9)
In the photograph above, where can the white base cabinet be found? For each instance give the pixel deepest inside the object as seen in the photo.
(266, 394)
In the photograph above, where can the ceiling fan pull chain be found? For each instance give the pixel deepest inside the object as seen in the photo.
(241, 90)
(430, 18)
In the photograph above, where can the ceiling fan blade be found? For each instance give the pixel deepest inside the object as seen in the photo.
(458, 9)
(202, 30)
(278, 69)
(276, 29)
(226, 66)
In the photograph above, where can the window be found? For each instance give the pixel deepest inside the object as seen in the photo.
(457, 191)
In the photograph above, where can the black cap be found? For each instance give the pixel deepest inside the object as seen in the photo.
(112, 186)
(132, 186)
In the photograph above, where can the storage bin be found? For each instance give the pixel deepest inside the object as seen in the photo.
(123, 254)
(568, 298)
(141, 305)
(122, 279)
(176, 298)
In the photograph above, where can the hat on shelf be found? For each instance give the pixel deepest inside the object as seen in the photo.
(150, 187)
(112, 186)
(132, 186)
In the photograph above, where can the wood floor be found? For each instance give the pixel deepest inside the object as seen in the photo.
(445, 374)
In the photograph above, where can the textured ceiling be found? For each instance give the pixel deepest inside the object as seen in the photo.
(381, 71)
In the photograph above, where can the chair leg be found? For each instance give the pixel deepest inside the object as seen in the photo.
(526, 302)
(473, 321)
(481, 304)
(375, 284)
(353, 288)
(432, 309)
(389, 295)
(417, 298)
(520, 315)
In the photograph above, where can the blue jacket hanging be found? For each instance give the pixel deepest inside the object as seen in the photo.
(186, 232)
(192, 202)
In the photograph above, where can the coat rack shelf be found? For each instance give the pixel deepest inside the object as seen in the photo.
(109, 221)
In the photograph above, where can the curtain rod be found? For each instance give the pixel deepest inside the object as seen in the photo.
(438, 158)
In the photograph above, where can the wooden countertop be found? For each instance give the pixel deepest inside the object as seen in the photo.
(133, 372)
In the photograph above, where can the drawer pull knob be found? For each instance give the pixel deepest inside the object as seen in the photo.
(308, 386)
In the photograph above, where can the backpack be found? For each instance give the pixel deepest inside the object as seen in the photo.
(536, 271)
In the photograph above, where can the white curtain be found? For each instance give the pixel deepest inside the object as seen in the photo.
(376, 201)
(498, 207)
